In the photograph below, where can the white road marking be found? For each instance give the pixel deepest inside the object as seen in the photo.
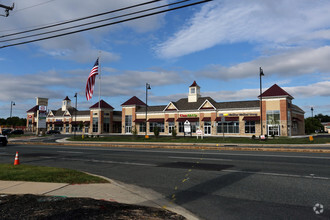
(70, 152)
(277, 174)
(198, 158)
(102, 161)
(187, 152)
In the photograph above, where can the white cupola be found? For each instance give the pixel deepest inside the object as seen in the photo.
(194, 92)
(66, 103)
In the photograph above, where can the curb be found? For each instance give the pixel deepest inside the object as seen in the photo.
(181, 146)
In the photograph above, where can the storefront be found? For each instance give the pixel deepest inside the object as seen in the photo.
(240, 118)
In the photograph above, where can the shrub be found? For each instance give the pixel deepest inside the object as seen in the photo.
(253, 137)
(174, 133)
(156, 131)
(134, 132)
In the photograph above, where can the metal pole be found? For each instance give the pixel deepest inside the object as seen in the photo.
(261, 125)
(11, 108)
(312, 109)
(75, 117)
(146, 106)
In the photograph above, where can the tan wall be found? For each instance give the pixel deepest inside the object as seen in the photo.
(272, 104)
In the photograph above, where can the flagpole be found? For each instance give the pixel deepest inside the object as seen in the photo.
(99, 127)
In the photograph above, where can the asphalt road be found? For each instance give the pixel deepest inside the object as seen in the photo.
(211, 184)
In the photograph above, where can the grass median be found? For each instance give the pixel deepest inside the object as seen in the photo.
(226, 140)
(46, 174)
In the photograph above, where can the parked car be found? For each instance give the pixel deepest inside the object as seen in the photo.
(17, 132)
(53, 132)
(6, 131)
(3, 140)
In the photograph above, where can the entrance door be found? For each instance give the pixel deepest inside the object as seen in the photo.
(273, 130)
(128, 129)
(207, 128)
(170, 127)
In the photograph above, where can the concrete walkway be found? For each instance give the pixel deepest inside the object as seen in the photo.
(114, 191)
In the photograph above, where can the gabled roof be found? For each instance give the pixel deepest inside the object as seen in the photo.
(103, 104)
(194, 84)
(34, 109)
(275, 91)
(134, 101)
(169, 104)
(204, 103)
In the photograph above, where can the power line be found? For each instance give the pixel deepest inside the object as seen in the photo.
(32, 6)
(104, 25)
(94, 22)
(82, 18)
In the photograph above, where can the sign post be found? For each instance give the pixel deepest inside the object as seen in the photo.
(187, 127)
(199, 133)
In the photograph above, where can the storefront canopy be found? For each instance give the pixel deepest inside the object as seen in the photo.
(189, 119)
(251, 118)
(206, 119)
(156, 120)
(139, 120)
(170, 120)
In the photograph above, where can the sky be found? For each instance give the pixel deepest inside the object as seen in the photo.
(221, 44)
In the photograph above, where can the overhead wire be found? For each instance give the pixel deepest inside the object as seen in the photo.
(107, 24)
(94, 22)
(82, 18)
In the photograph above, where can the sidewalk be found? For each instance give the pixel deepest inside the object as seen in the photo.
(114, 192)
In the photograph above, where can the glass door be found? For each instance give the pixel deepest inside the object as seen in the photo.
(207, 128)
(273, 130)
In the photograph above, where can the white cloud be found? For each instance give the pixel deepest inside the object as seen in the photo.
(270, 23)
(77, 46)
(292, 63)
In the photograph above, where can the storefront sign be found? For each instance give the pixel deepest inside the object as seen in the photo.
(188, 115)
(241, 114)
(42, 108)
(187, 127)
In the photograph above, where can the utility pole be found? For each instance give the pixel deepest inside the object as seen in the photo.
(147, 88)
(261, 73)
(7, 8)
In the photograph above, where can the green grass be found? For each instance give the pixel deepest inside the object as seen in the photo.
(45, 174)
(226, 140)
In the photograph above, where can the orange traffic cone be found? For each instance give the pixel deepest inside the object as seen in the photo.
(16, 159)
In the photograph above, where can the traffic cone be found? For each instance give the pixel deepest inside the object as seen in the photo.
(16, 159)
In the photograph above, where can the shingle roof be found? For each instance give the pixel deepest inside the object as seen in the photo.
(184, 105)
(117, 113)
(296, 108)
(67, 98)
(134, 101)
(194, 84)
(34, 109)
(275, 90)
(103, 104)
(238, 104)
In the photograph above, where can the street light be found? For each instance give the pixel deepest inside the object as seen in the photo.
(75, 117)
(147, 87)
(312, 109)
(261, 73)
(11, 107)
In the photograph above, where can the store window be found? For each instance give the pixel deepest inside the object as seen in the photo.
(160, 125)
(230, 127)
(273, 122)
(95, 124)
(250, 127)
(128, 123)
(194, 126)
(181, 127)
(142, 127)
(106, 125)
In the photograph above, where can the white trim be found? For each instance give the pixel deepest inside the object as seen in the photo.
(204, 103)
(169, 105)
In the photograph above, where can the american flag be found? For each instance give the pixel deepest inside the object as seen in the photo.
(91, 80)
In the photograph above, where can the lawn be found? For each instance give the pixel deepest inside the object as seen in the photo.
(226, 140)
(45, 174)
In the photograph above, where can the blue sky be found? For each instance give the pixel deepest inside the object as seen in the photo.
(220, 44)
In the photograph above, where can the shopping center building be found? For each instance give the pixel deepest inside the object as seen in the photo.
(99, 119)
(203, 114)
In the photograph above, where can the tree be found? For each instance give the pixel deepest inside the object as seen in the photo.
(156, 131)
(312, 125)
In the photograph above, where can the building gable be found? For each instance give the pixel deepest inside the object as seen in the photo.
(171, 107)
(206, 105)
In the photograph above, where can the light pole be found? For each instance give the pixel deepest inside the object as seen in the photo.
(312, 109)
(11, 107)
(261, 73)
(75, 117)
(147, 87)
